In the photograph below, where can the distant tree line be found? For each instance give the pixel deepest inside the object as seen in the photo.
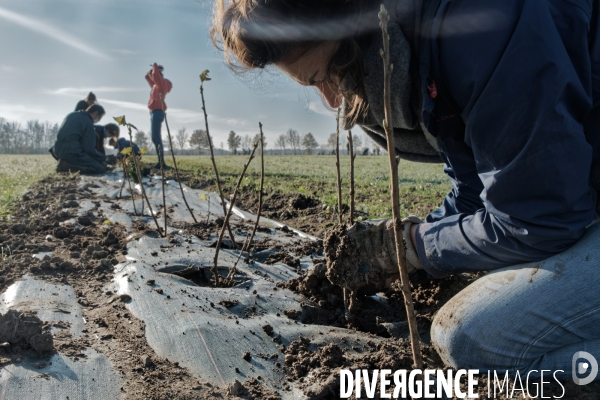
(33, 137)
(295, 143)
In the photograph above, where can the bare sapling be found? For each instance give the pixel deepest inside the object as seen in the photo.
(162, 181)
(389, 132)
(352, 158)
(126, 178)
(121, 121)
(248, 243)
(228, 215)
(337, 164)
(174, 163)
(204, 78)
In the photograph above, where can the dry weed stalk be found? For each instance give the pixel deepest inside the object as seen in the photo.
(228, 215)
(337, 164)
(174, 164)
(352, 158)
(126, 178)
(122, 121)
(162, 180)
(405, 285)
(203, 78)
(248, 243)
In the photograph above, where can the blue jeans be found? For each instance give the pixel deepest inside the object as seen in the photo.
(156, 119)
(527, 317)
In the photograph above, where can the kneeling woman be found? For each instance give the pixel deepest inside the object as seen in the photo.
(507, 95)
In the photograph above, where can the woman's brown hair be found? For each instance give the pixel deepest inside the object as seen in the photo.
(91, 98)
(258, 33)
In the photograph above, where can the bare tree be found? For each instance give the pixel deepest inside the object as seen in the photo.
(309, 143)
(292, 138)
(356, 143)
(141, 139)
(233, 141)
(280, 143)
(332, 141)
(199, 140)
(246, 142)
(257, 139)
(182, 138)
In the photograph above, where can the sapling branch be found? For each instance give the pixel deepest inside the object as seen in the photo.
(248, 243)
(337, 164)
(228, 215)
(352, 157)
(203, 78)
(133, 156)
(174, 163)
(126, 177)
(395, 193)
(162, 180)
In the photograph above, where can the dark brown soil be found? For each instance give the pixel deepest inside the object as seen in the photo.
(84, 259)
(302, 212)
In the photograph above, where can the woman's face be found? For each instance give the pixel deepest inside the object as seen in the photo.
(311, 70)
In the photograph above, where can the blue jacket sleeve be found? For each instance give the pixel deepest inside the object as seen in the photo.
(523, 83)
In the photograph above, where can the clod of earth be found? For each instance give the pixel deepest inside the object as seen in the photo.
(268, 329)
(362, 258)
(24, 328)
(246, 356)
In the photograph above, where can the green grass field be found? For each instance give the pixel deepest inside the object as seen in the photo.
(17, 173)
(422, 186)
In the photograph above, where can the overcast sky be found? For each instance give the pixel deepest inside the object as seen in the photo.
(52, 53)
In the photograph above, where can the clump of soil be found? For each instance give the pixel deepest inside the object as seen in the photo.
(251, 390)
(361, 258)
(300, 359)
(83, 256)
(25, 329)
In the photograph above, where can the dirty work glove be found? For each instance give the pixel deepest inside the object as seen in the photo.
(412, 259)
(363, 257)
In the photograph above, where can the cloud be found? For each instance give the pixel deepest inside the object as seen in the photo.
(79, 92)
(19, 112)
(319, 108)
(126, 104)
(49, 31)
(126, 52)
(7, 68)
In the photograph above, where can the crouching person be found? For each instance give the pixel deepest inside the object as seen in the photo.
(75, 146)
(121, 144)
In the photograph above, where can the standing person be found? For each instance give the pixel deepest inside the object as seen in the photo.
(75, 145)
(84, 104)
(157, 106)
(507, 94)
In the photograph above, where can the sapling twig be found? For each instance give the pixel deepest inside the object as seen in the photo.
(389, 132)
(228, 214)
(208, 215)
(126, 177)
(122, 183)
(162, 180)
(352, 157)
(248, 243)
(121, 121)
(337, 164)
(203, 78)
(174, 163)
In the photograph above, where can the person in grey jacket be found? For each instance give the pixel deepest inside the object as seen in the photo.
(506, 95)
(75, 146)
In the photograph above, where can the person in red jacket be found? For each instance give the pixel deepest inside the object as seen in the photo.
(157, 106)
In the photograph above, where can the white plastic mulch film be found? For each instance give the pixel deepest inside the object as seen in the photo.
(203, 328)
